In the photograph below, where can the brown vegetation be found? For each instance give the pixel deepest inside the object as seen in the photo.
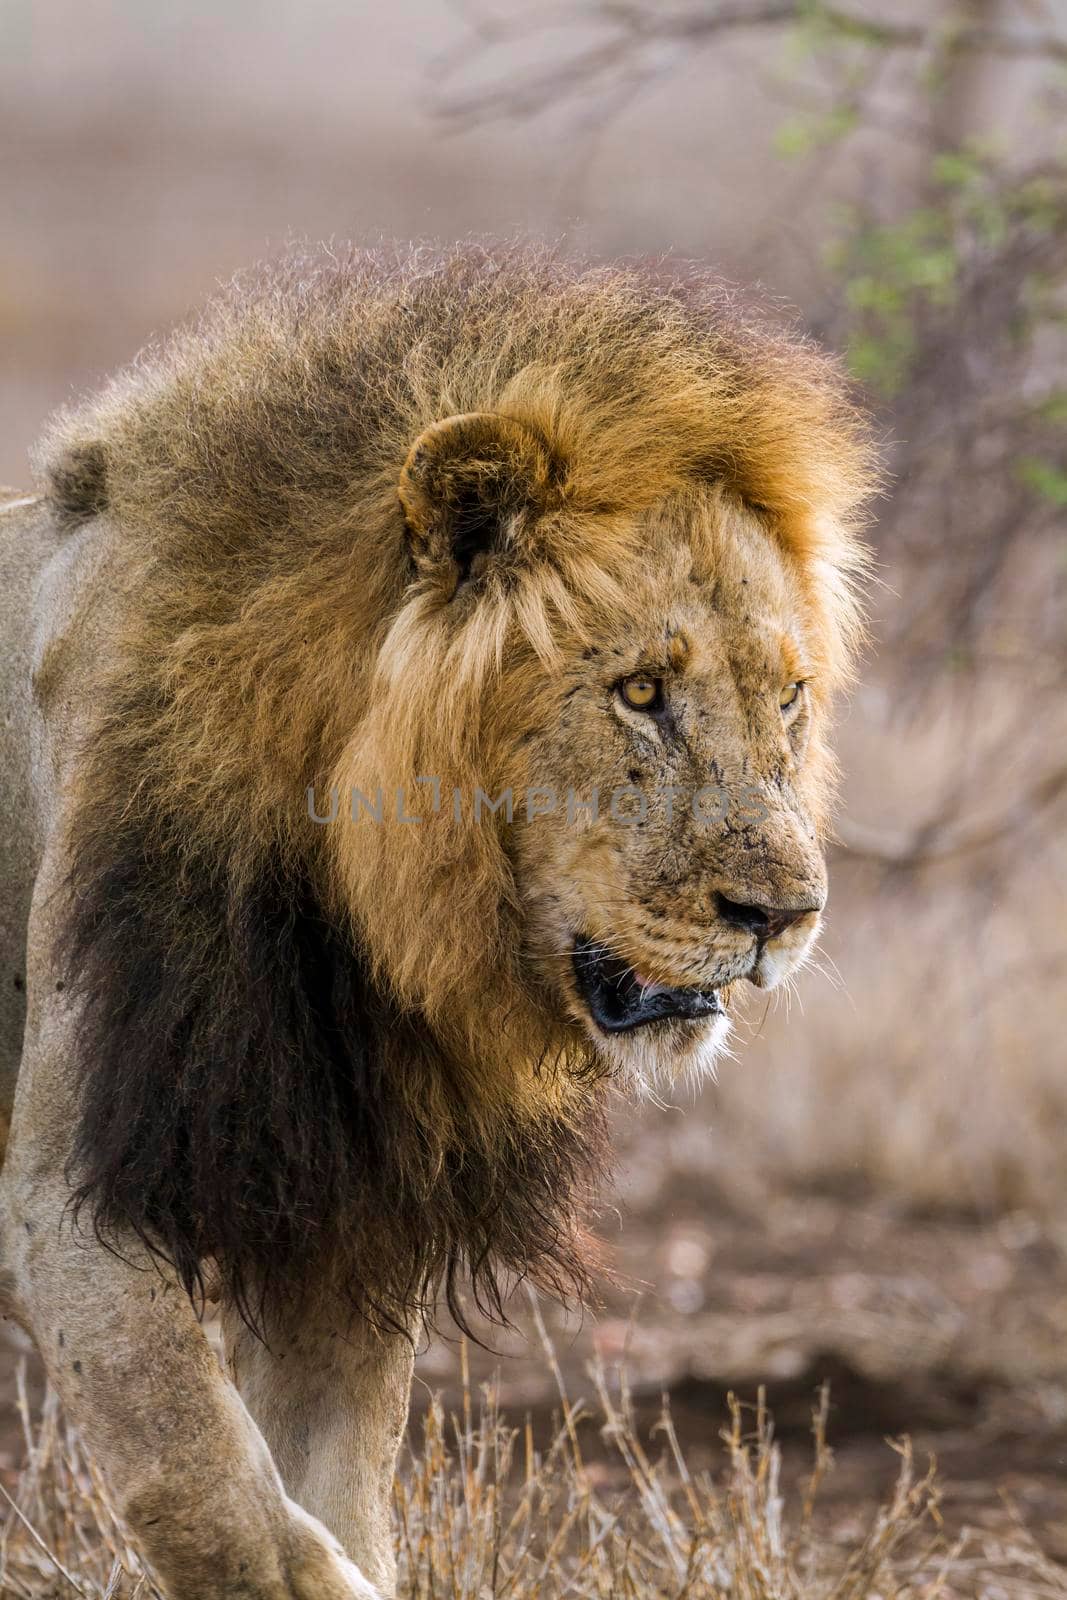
(487, 1511)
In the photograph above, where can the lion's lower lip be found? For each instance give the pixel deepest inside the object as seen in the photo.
(619, 1000)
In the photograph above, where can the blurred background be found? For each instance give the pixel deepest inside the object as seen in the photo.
(876, 1189)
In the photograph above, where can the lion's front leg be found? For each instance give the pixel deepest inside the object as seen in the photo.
(330, 1395)
(189, 1469)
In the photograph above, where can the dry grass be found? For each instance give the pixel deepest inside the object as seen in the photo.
(482, 1513)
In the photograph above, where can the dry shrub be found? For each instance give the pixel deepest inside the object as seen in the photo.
(484, 1514)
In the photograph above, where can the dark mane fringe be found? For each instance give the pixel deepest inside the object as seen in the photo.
(248, 1095)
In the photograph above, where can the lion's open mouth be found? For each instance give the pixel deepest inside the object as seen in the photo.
(620, 999)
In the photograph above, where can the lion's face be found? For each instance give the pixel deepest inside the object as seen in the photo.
(648, 689)
(690, 724)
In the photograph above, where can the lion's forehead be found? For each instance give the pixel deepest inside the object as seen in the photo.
(746, 631)
(712, 578)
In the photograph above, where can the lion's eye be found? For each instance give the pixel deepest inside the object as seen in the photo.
(642, 693)
(790, 695)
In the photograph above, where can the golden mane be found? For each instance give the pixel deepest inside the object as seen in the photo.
(279, 640)
(253, 464)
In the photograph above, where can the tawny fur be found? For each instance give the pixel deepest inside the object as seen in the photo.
(285, 631)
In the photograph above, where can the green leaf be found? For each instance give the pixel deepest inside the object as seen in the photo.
(1054, 409)
(793, 139)
(801, 135)
(882, 362)
(1046, 478)
(955, 169)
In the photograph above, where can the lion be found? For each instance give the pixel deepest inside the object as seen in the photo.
(417, 702)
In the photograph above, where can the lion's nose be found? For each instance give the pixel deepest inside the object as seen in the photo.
(765, 922)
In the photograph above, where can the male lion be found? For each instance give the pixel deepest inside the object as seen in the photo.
(406, 544)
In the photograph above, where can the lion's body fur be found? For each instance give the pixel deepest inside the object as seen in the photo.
(286, 1035)
(27, 539)
(375, 520)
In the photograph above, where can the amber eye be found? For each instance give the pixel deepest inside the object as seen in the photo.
(790, 695)
(642, 693)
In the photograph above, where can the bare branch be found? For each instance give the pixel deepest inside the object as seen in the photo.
(945, 839)
(635, 27)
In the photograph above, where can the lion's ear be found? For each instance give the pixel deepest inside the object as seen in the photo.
(469, 484)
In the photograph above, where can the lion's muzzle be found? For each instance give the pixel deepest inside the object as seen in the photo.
(620, 999)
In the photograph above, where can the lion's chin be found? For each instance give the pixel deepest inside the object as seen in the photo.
(650, 1033)
(662, 1055)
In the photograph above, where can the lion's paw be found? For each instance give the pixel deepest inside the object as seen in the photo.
(320, 1570)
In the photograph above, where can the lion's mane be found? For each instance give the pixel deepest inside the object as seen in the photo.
(270, 1072)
